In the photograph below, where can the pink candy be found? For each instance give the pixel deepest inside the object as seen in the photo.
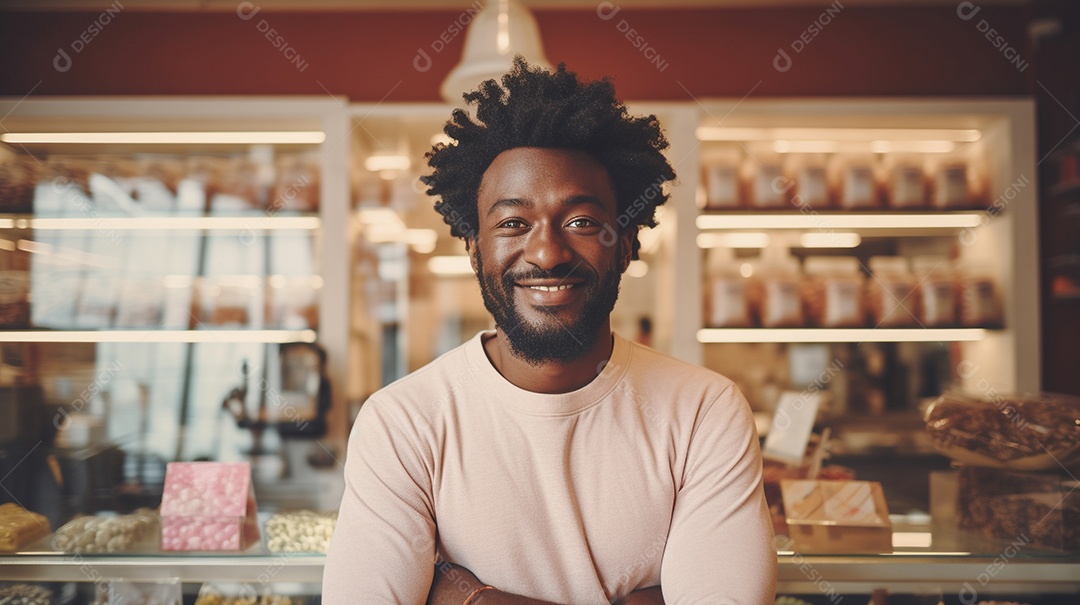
(207, 506)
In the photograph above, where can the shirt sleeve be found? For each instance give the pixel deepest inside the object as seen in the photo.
(383, 547)
(720, 546)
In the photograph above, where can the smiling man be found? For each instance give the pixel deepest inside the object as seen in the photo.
(551, 460)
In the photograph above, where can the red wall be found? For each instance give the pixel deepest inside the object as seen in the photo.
(367, 56)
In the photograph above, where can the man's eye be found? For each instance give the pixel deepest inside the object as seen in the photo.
(581, 222)
(512, 223)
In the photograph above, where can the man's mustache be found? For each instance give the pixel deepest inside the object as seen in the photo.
(559, 272)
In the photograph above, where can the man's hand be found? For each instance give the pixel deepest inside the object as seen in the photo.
(453, 584)
(644, 596)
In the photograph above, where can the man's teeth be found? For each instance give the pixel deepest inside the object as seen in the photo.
(552, 288)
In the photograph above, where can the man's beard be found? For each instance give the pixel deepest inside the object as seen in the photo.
(558, 342)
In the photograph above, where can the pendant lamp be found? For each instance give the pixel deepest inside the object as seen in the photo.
(501, 30)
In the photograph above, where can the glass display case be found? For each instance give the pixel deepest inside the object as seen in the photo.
(162, 260)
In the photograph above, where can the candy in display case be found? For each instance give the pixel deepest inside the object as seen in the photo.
(19, 527)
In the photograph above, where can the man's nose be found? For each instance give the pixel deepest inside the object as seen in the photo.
(547, 247)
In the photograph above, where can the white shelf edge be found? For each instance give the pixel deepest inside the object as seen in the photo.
(263, 222)
(159, 336)
(807, 335)
(943, 221)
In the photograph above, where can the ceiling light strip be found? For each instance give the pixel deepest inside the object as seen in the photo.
(281, 137)
(816, 335)
(127, 223)
(839, 221)
(159, 336)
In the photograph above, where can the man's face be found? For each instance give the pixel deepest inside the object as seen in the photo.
(549, 269)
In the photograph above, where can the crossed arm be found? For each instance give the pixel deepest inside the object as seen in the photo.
(453, 584)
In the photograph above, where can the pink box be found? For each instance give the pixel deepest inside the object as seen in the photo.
(208, 506)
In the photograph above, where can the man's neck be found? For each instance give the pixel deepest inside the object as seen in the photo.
(550, 377)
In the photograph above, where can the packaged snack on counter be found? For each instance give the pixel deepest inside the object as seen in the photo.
(837, 516)
(19, 527)
(726, 304)
(768, 185)
(92, 534)
(907, 181)
(775, 296)
(978, 296)
(20, 593)
(300, 531)
(937, 291)
(890, 293)
(1027, 432)
(857, 181)
(833, 292)
(18, 181)
(208, 506)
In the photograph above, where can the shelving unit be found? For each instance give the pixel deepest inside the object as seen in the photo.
(177, 129)
(1007, 359)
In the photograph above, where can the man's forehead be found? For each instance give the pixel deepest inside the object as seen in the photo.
(574, 168)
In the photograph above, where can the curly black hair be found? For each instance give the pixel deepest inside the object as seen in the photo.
(537, 108)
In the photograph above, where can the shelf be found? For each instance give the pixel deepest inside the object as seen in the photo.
(873, 223)
(257, 222)
(159, 336)
(283, 567)
(845, 573)
(807, 335)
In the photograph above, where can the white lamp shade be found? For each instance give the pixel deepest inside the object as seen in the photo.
(503, 29)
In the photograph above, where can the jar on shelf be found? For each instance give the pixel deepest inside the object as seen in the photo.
(890, 293)
(14, 299)
(957, 182)
(978, 297)
(906, 181)
(833, 292)
(808, 171)
(768, 186)
(775, 285)
(937, 291)
(18, 180)
(726, 304)
(856, 178)
(720, 176)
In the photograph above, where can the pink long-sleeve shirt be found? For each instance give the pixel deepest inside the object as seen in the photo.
(650, 474)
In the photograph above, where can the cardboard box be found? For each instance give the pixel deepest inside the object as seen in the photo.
(208, 506)
(836, 516)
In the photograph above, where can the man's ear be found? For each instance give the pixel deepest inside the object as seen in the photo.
(470, 249)
(626, 248)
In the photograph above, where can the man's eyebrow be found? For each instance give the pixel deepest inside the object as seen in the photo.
(584, 199)
(515, 202)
